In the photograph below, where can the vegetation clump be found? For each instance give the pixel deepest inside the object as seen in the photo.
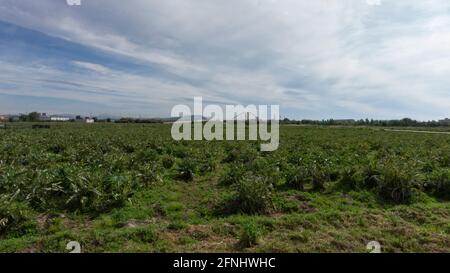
(187, 169)
(250, 235)
(297, 177)
(15, 219)
(439, 184)
(253, 194)
(396, 185)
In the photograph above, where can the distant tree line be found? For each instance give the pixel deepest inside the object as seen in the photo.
(406, 122)
(31, 117)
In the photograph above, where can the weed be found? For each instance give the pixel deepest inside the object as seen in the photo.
(253, 194)
(250, 235)
(396, 185)
(187, 169)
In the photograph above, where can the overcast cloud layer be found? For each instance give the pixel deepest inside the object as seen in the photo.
(316, 59)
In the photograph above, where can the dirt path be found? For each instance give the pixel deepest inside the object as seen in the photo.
(417, 131)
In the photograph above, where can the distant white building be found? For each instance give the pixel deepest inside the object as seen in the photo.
(90, 120)
(57, 118)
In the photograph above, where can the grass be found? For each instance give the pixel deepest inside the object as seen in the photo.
(177, 207)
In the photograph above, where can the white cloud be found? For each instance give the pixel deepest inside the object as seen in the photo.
(350, 54)
(91, 66)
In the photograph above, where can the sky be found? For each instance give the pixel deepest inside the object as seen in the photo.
(381, 59)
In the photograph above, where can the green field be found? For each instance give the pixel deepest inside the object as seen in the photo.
(131, 188)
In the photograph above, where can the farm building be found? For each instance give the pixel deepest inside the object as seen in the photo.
(59, 118)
